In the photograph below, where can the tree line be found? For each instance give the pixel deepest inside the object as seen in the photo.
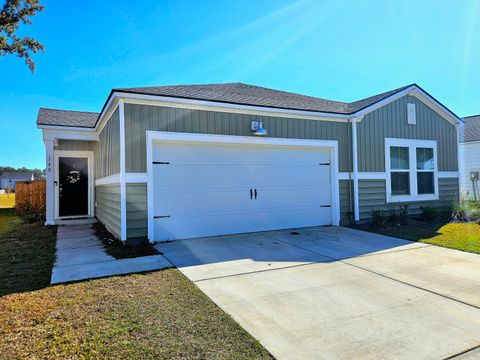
(36, 172)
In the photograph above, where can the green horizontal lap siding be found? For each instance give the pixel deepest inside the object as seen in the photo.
(137, 210)
(76, 145)
(107, 151)
(108, 209)
(372, 196)
(390, 121)
(140, 118)
(346, 201)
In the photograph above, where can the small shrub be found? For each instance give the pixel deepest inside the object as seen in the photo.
(429, 213)
(467, 211)
(403, 214)
(393, 217)
(379, 219)
(29, 213)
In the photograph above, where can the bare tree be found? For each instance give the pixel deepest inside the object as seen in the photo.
(13, 14)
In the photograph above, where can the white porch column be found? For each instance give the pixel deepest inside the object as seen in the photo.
(356, 201)
(50, 189)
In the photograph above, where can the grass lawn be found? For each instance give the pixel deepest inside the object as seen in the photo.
(460, 236)
(7, 201)
(155, 315)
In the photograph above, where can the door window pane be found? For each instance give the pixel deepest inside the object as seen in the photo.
(400, 183)
(425, 183)
(399, 159)
(425, 159)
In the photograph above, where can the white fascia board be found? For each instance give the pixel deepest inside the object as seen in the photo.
(110, 108)
(67, 134)
(166, 101)
(420, 95)
(65, 128)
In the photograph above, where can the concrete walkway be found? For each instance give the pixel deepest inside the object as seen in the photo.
(81, 255)
(339, 293)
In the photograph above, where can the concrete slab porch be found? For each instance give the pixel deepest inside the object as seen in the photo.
(80, 255)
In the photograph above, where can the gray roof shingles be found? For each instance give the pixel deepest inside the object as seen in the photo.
(233, 93)
(471, 129)
(66, 118)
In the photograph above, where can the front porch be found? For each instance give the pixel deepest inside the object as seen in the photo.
(70, 181)
(80, 255)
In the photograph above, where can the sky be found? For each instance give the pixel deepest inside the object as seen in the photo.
(341, 50)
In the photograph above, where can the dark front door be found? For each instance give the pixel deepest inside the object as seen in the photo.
(73, 186)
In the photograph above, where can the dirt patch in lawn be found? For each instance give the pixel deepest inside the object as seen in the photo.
(155, 315)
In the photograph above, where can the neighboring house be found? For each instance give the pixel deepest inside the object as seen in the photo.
(174, 162)
(10, 178)
(470, 158)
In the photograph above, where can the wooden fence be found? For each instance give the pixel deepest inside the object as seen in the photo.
(32, 193)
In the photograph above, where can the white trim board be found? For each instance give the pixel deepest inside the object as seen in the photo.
(130, 178)
(108, 180)
(91, 176)
(156, 136)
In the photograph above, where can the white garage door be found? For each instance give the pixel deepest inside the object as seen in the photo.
(206, 189)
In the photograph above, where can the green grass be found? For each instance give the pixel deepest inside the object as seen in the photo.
(459, 236)
(27, 254)
(7, 201)
(155, 315)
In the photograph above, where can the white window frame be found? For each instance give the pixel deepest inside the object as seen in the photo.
(412, 146)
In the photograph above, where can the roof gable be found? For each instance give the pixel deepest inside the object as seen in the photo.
(471, 129)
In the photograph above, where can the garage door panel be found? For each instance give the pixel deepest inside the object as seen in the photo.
(205, 188)
(275, 197)
(236, 222)
(218, 200)
(210, 176)
(197, 152)
(203, 176)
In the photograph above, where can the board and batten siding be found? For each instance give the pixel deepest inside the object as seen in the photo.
(76, 145)
(107, 198)
(107, 151)
(372, 195)
(390, 121)
(137, 210)
(141, 118)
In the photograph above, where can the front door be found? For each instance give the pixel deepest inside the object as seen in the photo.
(73, 186)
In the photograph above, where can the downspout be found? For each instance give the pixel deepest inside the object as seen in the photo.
(123, 185)
(356, 204)
(458, 128)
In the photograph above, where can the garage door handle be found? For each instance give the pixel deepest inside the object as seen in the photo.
(255, 194)
(251, 194)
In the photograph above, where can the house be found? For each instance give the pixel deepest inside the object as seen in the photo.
(470, 158)
(173, 162)
(10, 178)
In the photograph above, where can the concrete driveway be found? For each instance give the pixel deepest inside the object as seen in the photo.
(337, 293)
